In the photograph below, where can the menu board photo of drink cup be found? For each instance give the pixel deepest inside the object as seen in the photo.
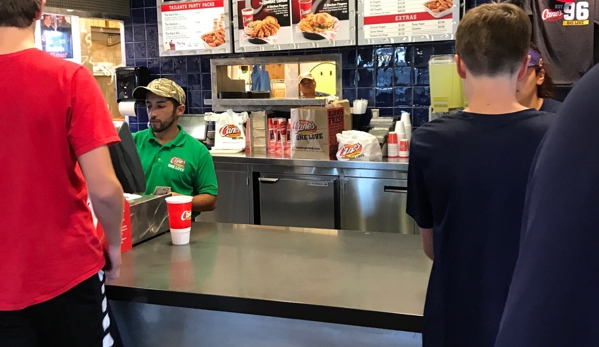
(193, 27)
(267, 25)
(396, 21)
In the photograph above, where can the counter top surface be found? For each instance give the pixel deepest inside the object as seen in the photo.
(348, 277)
(286, 160)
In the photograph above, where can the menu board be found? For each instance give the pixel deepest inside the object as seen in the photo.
(193, 27)
(393, 21)
(270, 25)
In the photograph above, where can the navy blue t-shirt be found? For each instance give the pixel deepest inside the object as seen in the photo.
(554, 296)
(467, 180)
(550, 105)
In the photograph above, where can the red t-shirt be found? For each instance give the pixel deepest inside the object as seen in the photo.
(52, 112)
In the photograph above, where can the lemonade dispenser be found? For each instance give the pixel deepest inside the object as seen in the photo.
(447, 92)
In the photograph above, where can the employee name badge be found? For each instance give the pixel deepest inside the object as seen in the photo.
(162, 190)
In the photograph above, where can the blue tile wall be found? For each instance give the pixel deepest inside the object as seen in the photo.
(393, 78)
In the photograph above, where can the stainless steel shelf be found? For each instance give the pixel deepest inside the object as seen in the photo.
(261, 104)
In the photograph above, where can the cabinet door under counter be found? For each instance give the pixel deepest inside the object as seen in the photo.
(234, 201)
(375, 204)
(298, 201)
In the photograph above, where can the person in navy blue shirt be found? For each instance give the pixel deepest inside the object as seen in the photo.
(467, 180)
(535, 89)
(554, 295)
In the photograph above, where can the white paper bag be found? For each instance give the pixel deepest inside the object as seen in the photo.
(229, 131)
(358, 146)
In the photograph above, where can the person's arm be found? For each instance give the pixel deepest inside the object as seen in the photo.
(90, 132)
(427, 242)
(205, 186)
(106, 195)
(419, 205)
(203, 203)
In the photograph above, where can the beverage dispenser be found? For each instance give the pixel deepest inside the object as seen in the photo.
(127, 79)
(447, 92)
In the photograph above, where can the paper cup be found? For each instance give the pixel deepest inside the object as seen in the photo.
(179, 218)
(247, 15)
(180, 237)
(305, 7)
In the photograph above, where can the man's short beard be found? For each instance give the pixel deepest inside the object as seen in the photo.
(164, 125)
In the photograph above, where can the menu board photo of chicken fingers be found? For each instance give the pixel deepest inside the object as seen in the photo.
(396, 21)
(268, 25)
(193, 27)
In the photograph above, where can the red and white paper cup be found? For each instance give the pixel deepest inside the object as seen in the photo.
(305, 7)
(179, 218)
(247, 15)
(404, 149)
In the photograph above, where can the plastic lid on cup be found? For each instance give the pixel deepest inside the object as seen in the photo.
(179, 199)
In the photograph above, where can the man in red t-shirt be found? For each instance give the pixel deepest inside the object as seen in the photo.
(54, 150)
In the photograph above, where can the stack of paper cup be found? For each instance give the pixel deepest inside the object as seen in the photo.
(392, 146)
(179, 218)
(359, 106)
(400, 130)
(404, 149)
(405, 119)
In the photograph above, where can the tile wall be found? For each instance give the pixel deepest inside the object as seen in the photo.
(393, 78)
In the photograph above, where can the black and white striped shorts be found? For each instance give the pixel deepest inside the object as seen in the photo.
(77, 318)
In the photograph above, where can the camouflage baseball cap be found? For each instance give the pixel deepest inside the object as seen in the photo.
(161, 87)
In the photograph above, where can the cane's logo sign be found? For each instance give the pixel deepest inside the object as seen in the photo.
(551, 15)
(230, 131)
(186, 215)
(304, 127)
(177, 164)
(350, 151)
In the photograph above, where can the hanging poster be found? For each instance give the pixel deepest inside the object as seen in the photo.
(56, 35)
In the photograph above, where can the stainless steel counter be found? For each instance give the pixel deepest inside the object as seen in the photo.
(363, 279)
(284, 160)
(272, 189)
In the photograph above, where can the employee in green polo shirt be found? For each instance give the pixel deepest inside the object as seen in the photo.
(170, 157)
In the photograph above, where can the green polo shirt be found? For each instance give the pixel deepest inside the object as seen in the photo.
(184, 164)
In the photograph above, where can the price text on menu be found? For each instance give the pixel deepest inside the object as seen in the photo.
(185, 24)
(400, 18)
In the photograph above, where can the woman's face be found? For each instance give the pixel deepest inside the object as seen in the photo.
(527, 86)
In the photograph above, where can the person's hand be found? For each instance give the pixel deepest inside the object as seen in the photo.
(113, 264)
(176, 194)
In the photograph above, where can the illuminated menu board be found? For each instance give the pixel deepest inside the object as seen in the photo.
(193, 27)
(270, 25)
(396, 21)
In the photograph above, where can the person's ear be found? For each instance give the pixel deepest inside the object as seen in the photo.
(180, 110)
(38, 15)
(523, 67)
(540, 77)
(461, 67)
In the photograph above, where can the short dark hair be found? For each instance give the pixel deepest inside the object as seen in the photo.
(176, 103)
(19, 13)
(493, 39)
(547, 88)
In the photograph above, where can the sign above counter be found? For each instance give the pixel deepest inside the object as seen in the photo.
(398, 21)
(193, 27)
(272, 25)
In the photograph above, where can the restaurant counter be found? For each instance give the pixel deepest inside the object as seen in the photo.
(284, 159)
(272, 189)
(268, 284)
